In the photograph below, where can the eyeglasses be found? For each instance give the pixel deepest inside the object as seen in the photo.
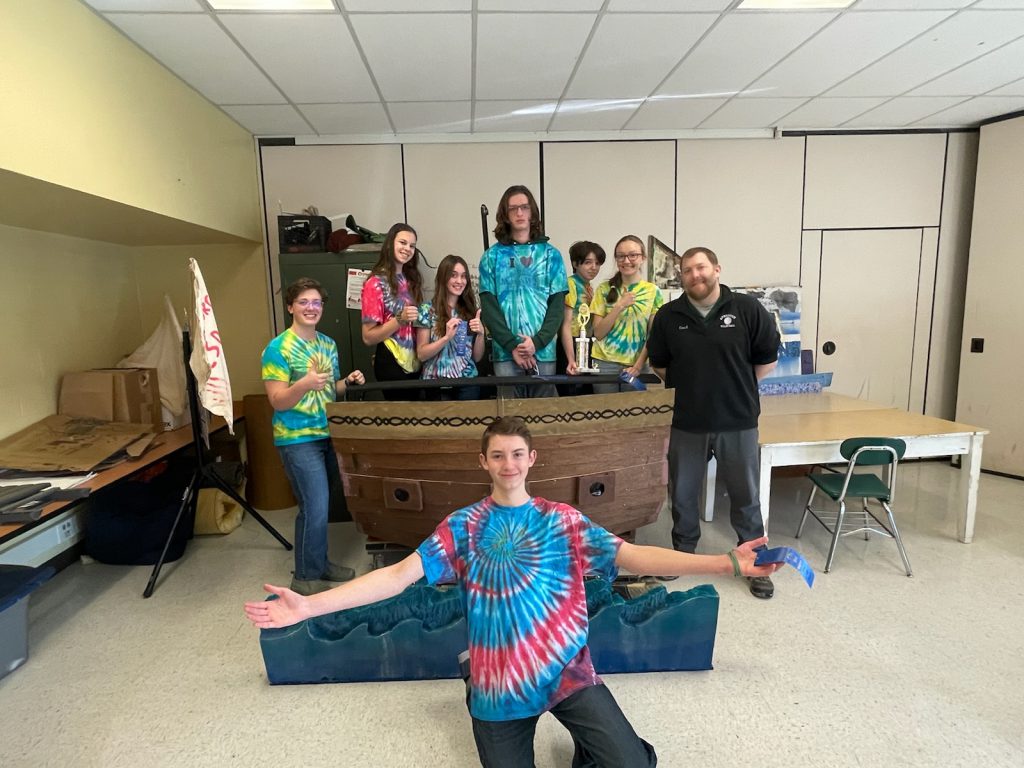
(630, 256)
(311, 303)
(524, 208)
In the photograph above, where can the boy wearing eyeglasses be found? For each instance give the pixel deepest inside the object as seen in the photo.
(522, 293)
(301, 374)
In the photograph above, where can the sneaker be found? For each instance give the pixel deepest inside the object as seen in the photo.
(337, 572)
(309, 586)
(761, 587)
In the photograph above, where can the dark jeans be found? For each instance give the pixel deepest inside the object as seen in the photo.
(312, 470)
(510, 368)
(738, 463)
(386, 368)
(600, 732)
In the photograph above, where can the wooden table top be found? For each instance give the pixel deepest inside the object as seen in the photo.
(164, 444)
(829, 426)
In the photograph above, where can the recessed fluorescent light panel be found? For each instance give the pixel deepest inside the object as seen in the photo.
(791, 5)
(271, 5)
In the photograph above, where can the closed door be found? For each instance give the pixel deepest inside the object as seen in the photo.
(867, 312)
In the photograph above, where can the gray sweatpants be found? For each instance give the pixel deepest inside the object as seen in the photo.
(738, 464)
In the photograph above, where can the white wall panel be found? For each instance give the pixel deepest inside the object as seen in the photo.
(989, 389)
(741, 199)
(364, 180)
(447, 183)
(601, 191)
(951, 275)
(860, 182)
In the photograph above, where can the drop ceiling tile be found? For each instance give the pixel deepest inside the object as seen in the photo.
(672, 114)
(270, 119)
(853, 42)
(1001, 4)
(346, 118)
(431, 117)
(739, 49)
(418, 57)
(992, 70)
(594, 115)
(668, 6)
(516, 72)
(1013, 89)
(356, 6)
(521, 6)
(198, 51)
(911, 5)
(497, 116)
(901, 112)
(147, 5)
(956, 41)
(823, 113)
(973, 111)
(751, 113)
(653, 43)
(312, 58)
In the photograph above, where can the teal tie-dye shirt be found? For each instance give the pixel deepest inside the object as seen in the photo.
(287, 358)
(522, 276)
(627, 337)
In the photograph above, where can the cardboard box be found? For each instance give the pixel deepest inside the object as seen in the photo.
(129, 395)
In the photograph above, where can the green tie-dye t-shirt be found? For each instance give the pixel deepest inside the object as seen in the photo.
(627, 337)
(287, 358)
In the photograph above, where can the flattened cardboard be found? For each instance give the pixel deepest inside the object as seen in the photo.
(64, 443)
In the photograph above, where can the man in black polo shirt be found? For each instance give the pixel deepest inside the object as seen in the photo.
(712, 346)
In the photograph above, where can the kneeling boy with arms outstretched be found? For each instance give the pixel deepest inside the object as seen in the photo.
(521, 562)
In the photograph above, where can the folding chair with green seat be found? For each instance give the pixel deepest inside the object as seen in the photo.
(840, 486)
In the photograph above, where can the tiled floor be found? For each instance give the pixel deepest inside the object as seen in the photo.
(869, 668)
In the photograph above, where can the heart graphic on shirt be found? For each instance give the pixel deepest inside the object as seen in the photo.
(526, 260)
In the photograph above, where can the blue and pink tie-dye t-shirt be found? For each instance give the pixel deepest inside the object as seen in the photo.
(521, 571)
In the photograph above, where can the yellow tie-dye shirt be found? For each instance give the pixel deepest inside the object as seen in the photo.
(287, 358)
(627, 337)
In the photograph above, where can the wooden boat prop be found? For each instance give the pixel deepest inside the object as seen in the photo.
(407, 465)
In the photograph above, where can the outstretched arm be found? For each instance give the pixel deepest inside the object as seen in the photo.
(291, 607)
(668, 562)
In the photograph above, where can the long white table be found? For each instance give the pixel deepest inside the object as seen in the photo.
(807, 429)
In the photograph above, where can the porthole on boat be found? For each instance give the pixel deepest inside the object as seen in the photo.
(401, 494)
(597, 489)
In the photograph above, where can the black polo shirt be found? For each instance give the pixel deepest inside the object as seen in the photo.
(710, 361)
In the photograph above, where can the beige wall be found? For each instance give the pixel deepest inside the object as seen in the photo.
(65, 304)
(989, 385)
(235, 277)
(112, 147)
(86, 109)
(69, 304)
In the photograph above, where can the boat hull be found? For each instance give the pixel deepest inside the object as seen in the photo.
(406, 466)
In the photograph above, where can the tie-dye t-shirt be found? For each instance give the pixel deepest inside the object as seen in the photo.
(522, 276)
(521, 573)
(287, 358)
(446, 364)
(579, 294)
(627, 337)
(380, 304)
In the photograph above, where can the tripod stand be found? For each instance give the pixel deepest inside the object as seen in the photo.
(203, 471)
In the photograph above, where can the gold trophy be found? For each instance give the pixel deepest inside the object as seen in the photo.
(582, 343)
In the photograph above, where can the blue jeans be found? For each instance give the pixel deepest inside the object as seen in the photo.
(601, 735)
(509, 368)
(312, 470)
